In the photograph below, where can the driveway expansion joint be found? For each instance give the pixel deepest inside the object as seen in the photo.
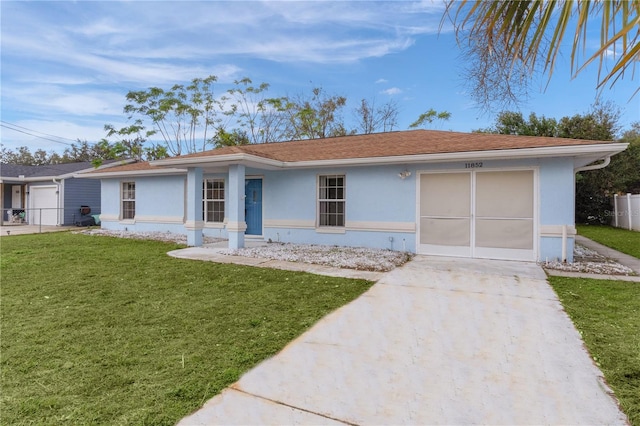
(294, 407)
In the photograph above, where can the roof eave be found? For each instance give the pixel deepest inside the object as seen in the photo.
(13, 179)
(588, 153)
(598, 151)
(160, 171)
(221, 160)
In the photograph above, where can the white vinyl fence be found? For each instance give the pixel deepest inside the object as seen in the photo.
(626, 211)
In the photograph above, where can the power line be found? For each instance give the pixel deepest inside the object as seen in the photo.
(8, 126)
(36, 131)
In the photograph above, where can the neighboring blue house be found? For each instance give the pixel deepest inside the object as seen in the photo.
(430, 192)
(47, 194)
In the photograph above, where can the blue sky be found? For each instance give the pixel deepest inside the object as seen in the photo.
(67, 66)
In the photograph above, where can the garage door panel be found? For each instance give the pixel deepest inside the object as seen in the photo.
(489, 214)
(504, 194)
(509, 234)
(44, 203)
(446, 194)
(445, 232)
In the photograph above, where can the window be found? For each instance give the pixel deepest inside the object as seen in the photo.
(213, 200)
(331, 200)
(128, 200)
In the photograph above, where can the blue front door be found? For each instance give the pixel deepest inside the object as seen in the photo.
(253, 206)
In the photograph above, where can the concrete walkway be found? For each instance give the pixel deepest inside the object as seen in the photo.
(8, 230)
(621, 258)
(437, 341)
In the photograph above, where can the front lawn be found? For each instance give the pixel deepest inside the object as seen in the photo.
(99, 330)
(623, 240)
(607, 314)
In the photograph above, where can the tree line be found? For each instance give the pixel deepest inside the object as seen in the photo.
(595, 188)
(191, 118)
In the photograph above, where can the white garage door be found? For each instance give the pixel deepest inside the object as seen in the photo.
(44, 205)
(487, 214)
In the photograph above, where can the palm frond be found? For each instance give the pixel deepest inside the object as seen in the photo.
(534, 30)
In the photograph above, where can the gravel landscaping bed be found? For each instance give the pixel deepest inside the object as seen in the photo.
(362, 259)
(591, 262)
(156, 236)
(359, 258)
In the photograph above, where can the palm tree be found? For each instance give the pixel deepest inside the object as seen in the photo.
(509, 41)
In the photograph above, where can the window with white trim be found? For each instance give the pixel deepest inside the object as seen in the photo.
(331, 200)
(213, 200)
(128, 201)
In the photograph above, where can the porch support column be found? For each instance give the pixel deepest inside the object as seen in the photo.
(236, 224)
(194, 223)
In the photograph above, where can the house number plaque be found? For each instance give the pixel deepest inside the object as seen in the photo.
(474, 165)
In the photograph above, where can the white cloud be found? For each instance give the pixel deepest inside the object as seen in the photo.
(392, 91)
(611, 54)
(100, 28)
(79, 59)
(280, 31)
(51, 100)
(381, 80)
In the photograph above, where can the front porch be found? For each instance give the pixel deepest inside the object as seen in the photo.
(242, 215)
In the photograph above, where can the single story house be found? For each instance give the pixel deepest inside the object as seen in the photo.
(431, 192)
(47, 194)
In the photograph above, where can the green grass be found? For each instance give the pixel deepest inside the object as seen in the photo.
(98, 330)
(619, 239)
(607, 314)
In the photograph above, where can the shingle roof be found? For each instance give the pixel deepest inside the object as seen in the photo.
(16, 170)
(390, 144)
(413, 142)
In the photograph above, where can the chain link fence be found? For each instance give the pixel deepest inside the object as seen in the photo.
(48, 217)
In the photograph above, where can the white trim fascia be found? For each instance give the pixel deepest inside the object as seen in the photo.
(40, 186)
(229, 158)
(81, 174)
(135, 173)
(14, 181)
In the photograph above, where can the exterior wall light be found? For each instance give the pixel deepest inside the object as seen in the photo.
(405, 174)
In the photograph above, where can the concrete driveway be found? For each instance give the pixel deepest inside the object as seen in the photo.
(437, 341)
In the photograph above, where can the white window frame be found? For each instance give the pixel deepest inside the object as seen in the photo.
(206, 200)
(321, 200)
(125, 197)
